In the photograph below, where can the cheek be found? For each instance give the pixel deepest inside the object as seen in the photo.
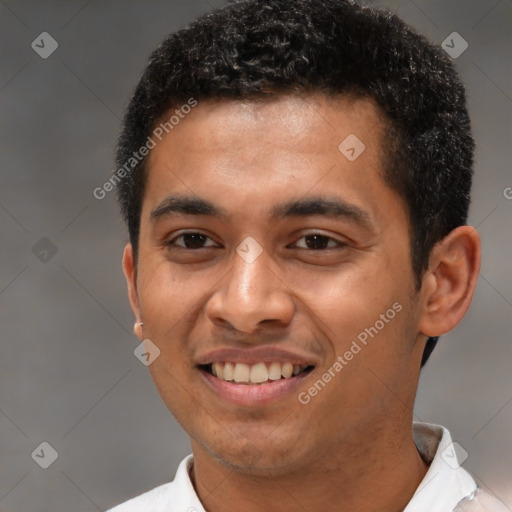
(164, 295)
(167, 306)
(349, 298)
(363, 313)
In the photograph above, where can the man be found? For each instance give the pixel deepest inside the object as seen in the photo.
(295, 176)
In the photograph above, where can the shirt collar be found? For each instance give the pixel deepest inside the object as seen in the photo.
(446, 482)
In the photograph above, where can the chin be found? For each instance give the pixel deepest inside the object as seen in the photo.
(250, 459)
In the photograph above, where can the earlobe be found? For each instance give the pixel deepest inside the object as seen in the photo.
(131, 282)
(449, 284)
(137, 330)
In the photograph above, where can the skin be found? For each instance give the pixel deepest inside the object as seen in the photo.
(351, 446)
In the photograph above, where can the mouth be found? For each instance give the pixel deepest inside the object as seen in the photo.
(252, 385)
(255, 374)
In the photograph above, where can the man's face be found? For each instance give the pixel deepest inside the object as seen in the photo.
(310, 282)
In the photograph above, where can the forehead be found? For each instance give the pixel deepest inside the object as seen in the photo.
(257, 151)
(280, 123)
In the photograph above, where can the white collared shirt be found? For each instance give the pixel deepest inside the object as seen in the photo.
(447, 487)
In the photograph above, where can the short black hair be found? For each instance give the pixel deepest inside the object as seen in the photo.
(254, 49)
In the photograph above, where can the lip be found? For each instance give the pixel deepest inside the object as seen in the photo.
(252, 395)
(254, 355)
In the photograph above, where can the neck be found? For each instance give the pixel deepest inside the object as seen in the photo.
(377, 472)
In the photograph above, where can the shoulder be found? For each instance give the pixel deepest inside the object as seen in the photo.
(481, 501)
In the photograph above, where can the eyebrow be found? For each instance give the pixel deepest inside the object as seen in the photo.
(306, 207)
(187, 205)
(328, 207)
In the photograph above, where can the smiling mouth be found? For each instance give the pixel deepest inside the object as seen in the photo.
(251, 374)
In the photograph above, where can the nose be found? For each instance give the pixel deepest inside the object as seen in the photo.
(249, 296)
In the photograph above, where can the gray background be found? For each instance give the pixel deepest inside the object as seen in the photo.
(67, 369)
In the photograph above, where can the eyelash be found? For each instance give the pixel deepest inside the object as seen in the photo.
(339, 244)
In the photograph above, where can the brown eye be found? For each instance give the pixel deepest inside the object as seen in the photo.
(317, 242)
(191, 241)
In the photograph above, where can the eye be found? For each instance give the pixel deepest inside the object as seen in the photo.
(191, 240)
(317, 242)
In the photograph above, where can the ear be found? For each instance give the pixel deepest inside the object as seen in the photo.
(449, 283)
(131, 280)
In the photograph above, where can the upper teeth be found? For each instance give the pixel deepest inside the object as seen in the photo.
(256, 373)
